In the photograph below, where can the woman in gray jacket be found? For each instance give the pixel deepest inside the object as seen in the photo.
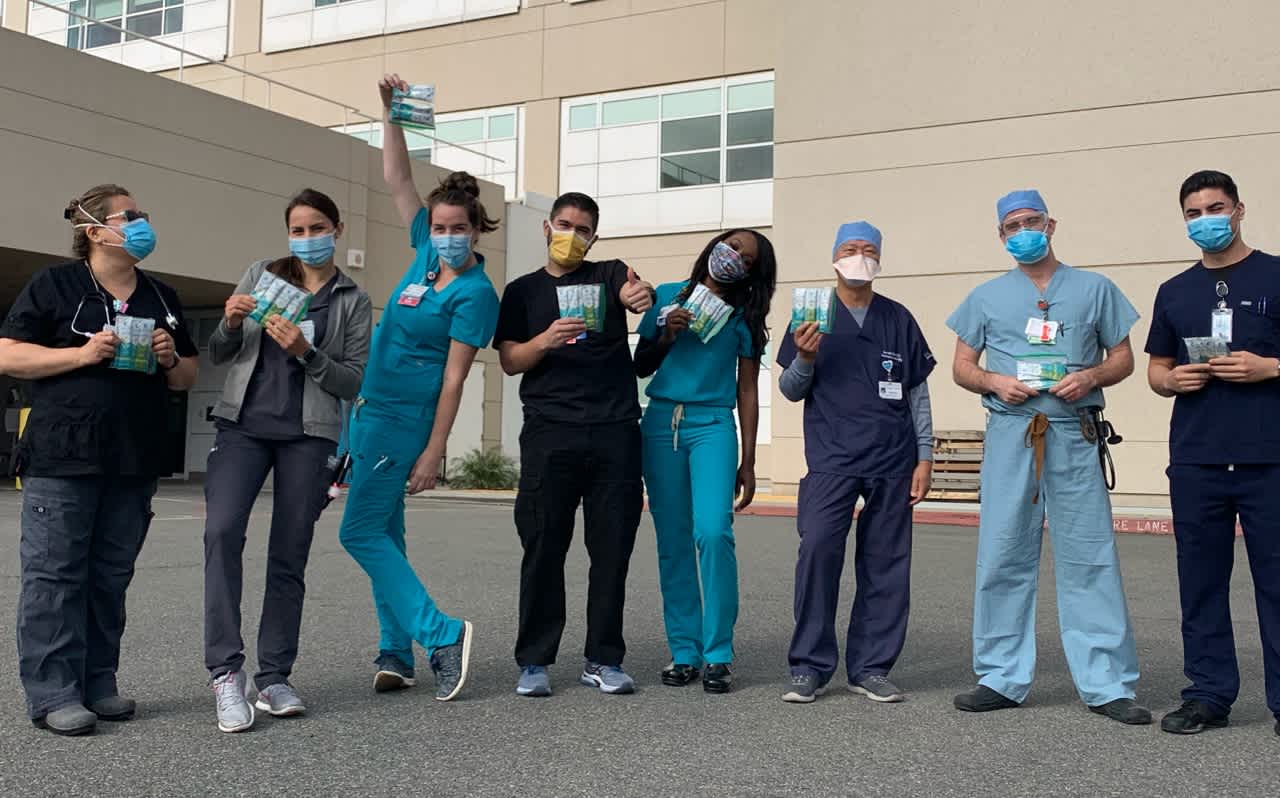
(280, 411)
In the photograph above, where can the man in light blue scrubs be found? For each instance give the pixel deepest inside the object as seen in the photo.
(1054, 337)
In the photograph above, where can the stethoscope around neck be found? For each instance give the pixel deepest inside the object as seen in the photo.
(101, 296)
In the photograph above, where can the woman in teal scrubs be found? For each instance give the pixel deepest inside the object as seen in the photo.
(688, 428)
(442, 312)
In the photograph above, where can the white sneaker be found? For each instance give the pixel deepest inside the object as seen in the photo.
(281, 700)
(235, 713)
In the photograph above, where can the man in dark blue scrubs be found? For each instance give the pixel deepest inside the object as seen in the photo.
(868, 433)
(1224, 443)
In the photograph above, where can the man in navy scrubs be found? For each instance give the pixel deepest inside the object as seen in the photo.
(868, 433)
(1224, 443)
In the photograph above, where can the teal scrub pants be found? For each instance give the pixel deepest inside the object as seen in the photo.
(384, 448)
(694, 523)
(1092, 613)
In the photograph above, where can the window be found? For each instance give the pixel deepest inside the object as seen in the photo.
(691, 156)
(290, 24)
(141, 17)
(493, 132)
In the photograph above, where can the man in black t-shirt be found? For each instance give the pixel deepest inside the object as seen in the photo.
(1215, 347)
(580, 444)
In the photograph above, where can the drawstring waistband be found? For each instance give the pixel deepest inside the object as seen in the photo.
(677, 415)
(1035, 440)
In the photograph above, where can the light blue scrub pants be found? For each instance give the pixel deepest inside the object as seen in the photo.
(690, 473)
(384, 448)
(1092, 613)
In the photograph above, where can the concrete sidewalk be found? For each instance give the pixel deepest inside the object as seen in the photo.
(1132, 520)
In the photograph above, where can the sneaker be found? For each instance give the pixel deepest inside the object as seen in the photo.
(534, 682)
(392, 674)
(69, 721)
(280, 700)
(805, 687)
(114, 708)
(718, 679)
(675, 675)
(235, 713)
(983, 699)
(1194, 717)
(1124, 710)
(609, 678)
(450, 664)
(878, 688)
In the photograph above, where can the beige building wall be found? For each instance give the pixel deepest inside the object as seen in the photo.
(1105, 107)
(214, 173)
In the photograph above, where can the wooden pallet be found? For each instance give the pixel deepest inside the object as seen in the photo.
(957, 466)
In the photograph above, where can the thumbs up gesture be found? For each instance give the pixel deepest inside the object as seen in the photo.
(637, 295)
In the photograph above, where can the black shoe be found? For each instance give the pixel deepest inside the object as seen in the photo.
(983, 699)
(679, 675)
(114, 708)
(1124, 710)
(1194, 717)
(718, 679)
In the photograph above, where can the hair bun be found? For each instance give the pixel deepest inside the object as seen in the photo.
(69, 212)
(461, 181)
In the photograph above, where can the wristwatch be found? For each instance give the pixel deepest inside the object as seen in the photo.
(309, 356)
(176, 360)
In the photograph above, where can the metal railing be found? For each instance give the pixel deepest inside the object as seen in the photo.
(347, 110)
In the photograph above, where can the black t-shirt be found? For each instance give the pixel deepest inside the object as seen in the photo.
(1223, 423)
(589, 381)
(272, 406)
(95, 419)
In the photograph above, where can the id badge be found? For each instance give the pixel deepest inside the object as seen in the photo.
(1221, 324)
(890, 390)
(308, 330)
(1040, 331)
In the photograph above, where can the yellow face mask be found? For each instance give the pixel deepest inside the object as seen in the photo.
(567, 248)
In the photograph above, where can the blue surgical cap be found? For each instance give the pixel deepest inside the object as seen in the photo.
(856, 231)
(1025, 199)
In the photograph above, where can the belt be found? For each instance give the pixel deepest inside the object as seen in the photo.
(1035, 440)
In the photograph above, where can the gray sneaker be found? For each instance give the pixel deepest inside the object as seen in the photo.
(69, 721)
(235, 713)
(878, 688)
(608, 678)
(450, 664)
(534, 682)
(281, 700)
(804, 689)
(114, 708)
(392, 674)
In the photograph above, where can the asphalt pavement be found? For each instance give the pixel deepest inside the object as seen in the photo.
(659, 742)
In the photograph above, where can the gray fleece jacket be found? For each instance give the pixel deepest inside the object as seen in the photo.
(335, 373)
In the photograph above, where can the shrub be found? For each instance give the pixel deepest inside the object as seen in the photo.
(484, 470)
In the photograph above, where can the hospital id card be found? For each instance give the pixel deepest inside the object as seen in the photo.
(412, 295)
(1041, 331)
(890, 390)
(1221, 326)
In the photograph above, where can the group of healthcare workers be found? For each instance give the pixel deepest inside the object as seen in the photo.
(1054, 337)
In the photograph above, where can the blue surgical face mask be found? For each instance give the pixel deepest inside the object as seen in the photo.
(138, 237)
(1211, 233)
(314, 251)
(1027, 246)
(453, 250)
(725, 264)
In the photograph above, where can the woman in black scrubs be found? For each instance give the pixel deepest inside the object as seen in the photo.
(91, 453)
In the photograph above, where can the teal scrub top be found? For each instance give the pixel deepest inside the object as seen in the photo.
(1092, 313)
(695, 373)
(410, 345)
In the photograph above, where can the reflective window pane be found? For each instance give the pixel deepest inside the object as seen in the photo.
(751, 95)
(461, 131)
(99, 36)
(173, 20)
(73, 37)
(683, 135)
(145, 24)
(750, 127)
(626, 112)
(582, 117)
(502, 126)
(691, 169)
(139, 6)
(749, 163)
(691, 103)
(102, 9)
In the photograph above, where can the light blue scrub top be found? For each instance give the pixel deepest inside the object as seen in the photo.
(410, 345)
(695, 373)
(1093, 315)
